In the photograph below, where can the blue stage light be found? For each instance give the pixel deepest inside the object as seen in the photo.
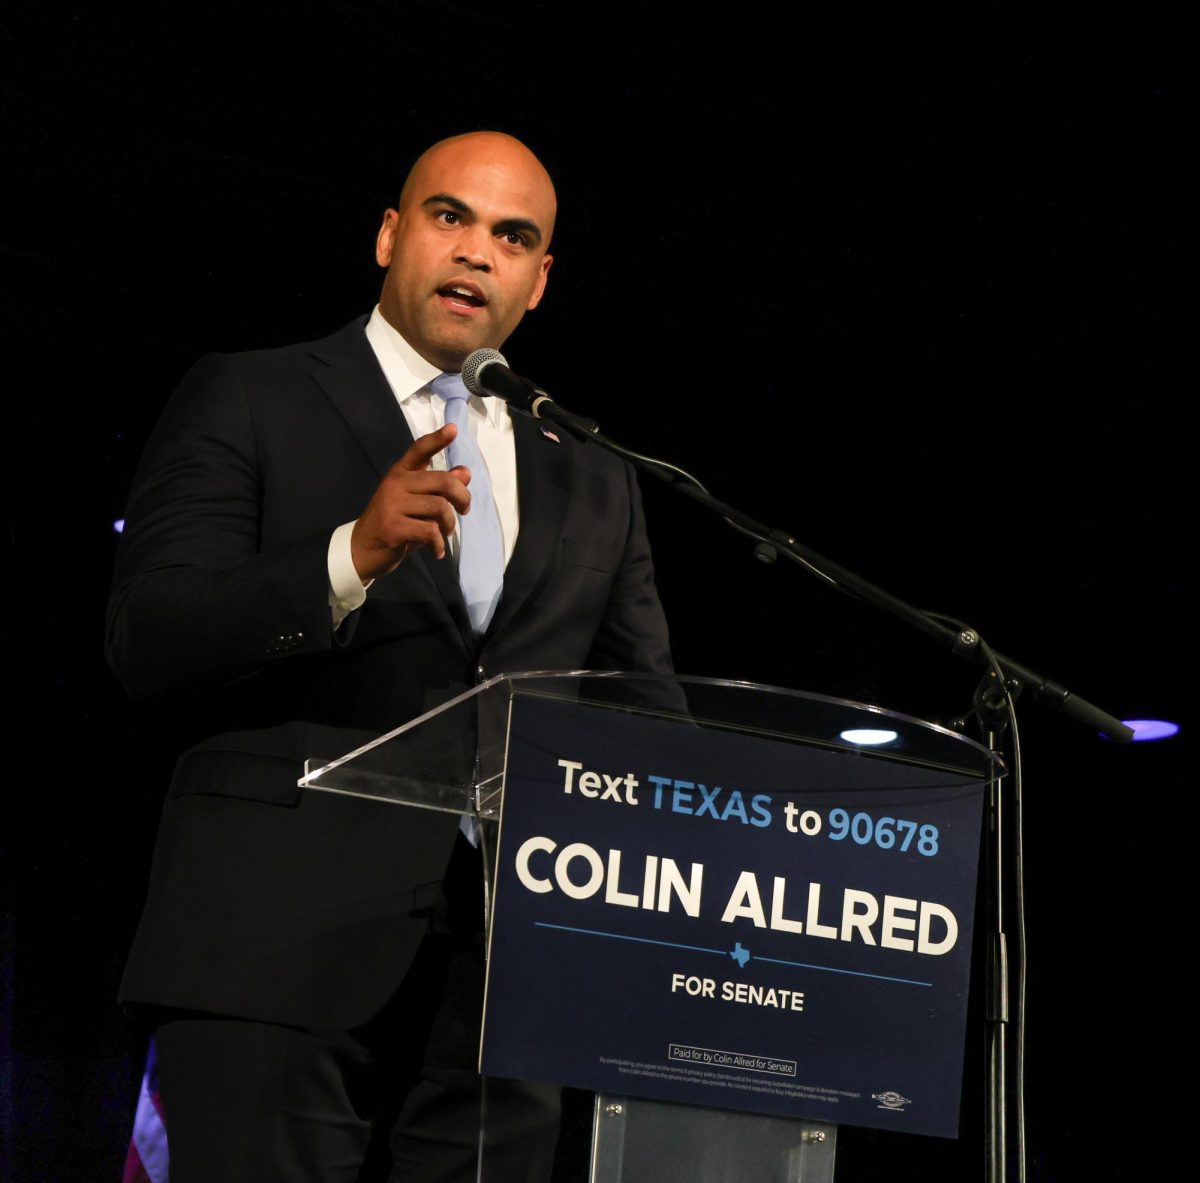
(1151, 728)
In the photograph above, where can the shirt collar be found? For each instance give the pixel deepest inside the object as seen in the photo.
(408, 373)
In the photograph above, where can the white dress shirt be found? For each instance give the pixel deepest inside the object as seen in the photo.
(409, 374)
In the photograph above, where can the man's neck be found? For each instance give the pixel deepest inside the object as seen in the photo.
(406, 370)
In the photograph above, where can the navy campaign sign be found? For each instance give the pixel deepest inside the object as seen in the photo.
(721, 919)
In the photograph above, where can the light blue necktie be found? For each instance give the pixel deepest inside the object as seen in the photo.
(480, 545)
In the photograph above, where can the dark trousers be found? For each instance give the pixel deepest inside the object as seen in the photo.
(398, 1100)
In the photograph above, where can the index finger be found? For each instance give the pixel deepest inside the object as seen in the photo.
(426, 448)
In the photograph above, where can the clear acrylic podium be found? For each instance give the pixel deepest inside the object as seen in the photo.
(453, 759)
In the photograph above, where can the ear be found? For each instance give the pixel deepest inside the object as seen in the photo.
(540, 287)
(386, 240)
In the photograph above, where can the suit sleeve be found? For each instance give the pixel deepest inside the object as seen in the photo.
(195, 600)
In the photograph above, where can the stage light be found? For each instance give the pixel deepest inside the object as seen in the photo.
(868, 737)
(1144, 729)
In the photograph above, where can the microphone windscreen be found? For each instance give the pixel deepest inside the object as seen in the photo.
(474, 365)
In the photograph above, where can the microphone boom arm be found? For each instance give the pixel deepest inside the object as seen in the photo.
(486, 372)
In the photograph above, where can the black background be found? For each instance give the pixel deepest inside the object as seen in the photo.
(913, 287)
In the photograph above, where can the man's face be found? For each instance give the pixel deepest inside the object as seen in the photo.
(466, 251)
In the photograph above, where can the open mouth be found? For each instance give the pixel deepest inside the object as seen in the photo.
(462, 296)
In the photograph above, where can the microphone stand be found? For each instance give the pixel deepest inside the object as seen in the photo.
(994, 698)
(962, 640)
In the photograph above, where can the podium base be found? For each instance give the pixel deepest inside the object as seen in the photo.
(634, 1140)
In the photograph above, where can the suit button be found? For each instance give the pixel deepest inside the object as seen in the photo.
(480, 674)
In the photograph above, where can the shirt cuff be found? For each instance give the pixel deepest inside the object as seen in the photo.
(346, 591)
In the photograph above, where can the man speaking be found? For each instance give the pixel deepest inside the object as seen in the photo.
(324, 541)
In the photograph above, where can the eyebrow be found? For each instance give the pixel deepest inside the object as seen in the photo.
(504, 226)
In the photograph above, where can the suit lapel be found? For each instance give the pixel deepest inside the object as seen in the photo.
(345, 367)
(543, 486)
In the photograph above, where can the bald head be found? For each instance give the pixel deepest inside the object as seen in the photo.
(505, 158)
(466, 250)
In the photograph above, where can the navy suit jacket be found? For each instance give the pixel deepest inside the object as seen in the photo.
(267, 901)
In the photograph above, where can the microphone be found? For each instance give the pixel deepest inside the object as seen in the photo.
(486, 372)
